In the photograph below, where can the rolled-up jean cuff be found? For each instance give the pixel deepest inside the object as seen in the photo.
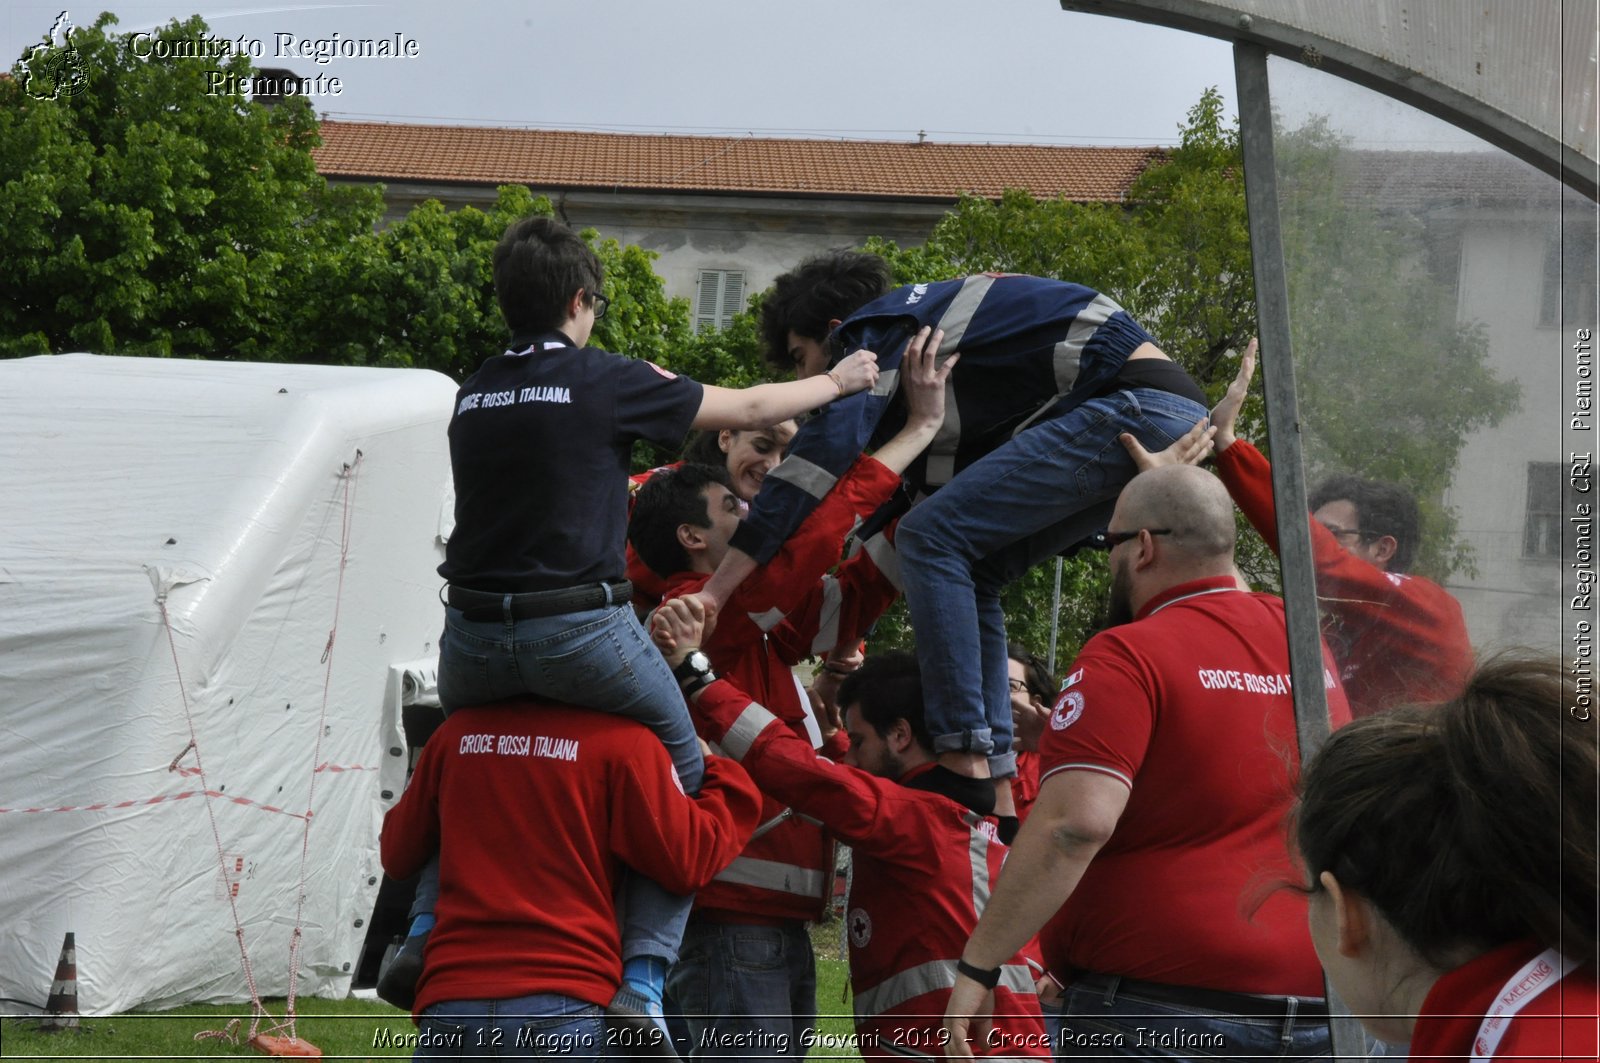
(1002, 765)
(979, 741)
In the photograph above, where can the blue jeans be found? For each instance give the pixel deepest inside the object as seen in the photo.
(542, 1026)
(600, 659)
(1028, 499)
(1097, 1019)
(746, 991)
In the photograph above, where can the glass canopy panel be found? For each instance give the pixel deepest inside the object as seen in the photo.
(1442, 301)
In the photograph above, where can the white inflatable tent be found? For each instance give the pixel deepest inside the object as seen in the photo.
(289, 518)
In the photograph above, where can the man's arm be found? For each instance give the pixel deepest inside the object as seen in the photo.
(782, 587)
(410, 835)
(851, 803)
(1074, 816)
(842, 608)
(680, 842)
(923, 382)
(766, 404)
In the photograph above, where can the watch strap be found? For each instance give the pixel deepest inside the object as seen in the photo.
(988, 979)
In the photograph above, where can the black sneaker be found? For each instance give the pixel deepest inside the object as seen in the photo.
(636, 1032)
(397, 982)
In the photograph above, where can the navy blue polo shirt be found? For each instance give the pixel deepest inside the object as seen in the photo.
(539, 448)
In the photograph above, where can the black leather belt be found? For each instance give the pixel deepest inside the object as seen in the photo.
(1114, 987)
(480, 606)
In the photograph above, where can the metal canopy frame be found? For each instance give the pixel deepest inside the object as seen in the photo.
(1283, 433)
(1504, 131)
(1255, 38)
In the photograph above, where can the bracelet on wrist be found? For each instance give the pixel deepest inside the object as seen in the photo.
(837, 669)
(833, 376)
(986, 978)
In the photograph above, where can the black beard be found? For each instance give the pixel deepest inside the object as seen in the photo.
(1120, 610)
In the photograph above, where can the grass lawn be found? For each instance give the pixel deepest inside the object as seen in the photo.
(344, 1029)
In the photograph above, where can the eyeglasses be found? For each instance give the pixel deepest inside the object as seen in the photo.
(1018, 686)
(1345, 533)
(1110, 540)
(600, 304)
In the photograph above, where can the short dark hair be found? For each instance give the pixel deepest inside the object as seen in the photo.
(670, 498)
(1384, 509)
(539, 264)
(1035, 672)
(1470, 823)
(888, 687)
(834, 284)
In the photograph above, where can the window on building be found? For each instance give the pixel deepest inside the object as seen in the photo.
(1541, 531)
(1567, 290)
(721, 295)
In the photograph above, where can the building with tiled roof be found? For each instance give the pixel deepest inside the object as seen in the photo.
(845, 169)
(725, 214)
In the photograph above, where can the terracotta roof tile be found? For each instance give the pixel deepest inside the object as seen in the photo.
(750, 165)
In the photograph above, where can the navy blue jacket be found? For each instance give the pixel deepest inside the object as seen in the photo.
(1031, 348)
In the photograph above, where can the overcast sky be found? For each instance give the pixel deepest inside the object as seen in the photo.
(970, 70)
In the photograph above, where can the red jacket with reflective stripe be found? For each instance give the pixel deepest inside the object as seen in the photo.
(786, 611)
(1397, 639)
(923, 868)
(533, 808)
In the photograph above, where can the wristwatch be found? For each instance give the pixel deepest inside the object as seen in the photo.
(694, 672)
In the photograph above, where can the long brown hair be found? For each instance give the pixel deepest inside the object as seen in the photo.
(1466, 824)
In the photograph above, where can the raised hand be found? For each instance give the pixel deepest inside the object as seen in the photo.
(922, 379)
(1226, 415)
(858, 372)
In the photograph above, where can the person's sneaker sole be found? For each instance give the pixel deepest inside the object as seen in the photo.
(637, 1034)
(398, 983)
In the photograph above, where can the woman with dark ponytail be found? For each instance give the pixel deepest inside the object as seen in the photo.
(1451, 857)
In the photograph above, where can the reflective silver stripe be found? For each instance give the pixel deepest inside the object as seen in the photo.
(958, 315)
(1067, 359)
(886, 557)
(978, 852)
(772, 823)
(828, 616)
(813, 728)
(771, 875)
(746, 729)
(768, 620)
(1069, 352)
(888, 380)
(941, 467)
(930, 977)
(808, 476)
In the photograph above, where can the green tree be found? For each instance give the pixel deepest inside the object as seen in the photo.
(1390, 382)
(419, 293)
(144, 215)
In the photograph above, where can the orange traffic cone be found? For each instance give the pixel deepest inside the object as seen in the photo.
(61, 1009)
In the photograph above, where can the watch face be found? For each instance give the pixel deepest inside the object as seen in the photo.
(699, 661)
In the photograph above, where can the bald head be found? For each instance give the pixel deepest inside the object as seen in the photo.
(1191, 502)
